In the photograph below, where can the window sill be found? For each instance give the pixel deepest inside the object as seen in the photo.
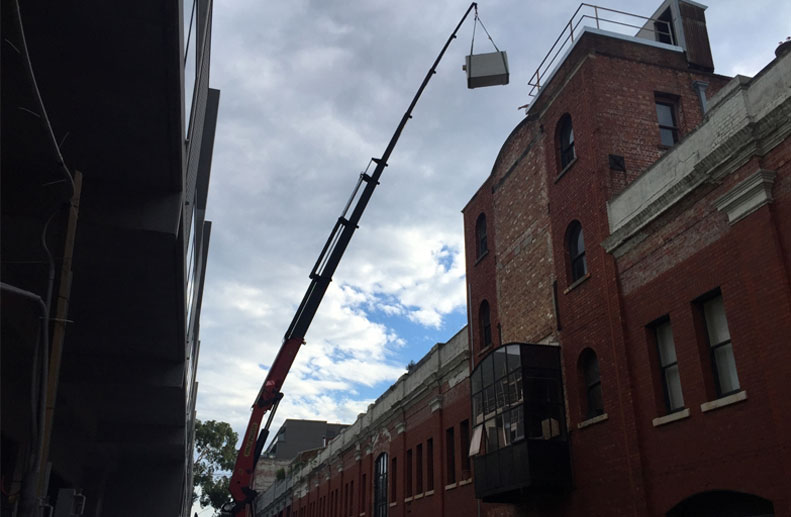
(451, 486)
(429, 492)
(465, 482)
(724, 401)
(672, 417)
(418, 496)
(577, 283)
(566, 169)
(485, 350)
(480, 258)
(592, 421)
(408, 499)
(394, 503)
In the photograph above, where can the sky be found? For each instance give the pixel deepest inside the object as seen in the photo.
(311, 91)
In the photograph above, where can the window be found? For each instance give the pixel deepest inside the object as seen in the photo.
(565, 141)
(480, 236)
(419, 469)
(464, 435)
(497, 404)
(663, 28)
(575, 244)
(380, 485)
(726, 380)
(450, 455)
(363, 490)
(408, 472)
(666, 116)
(485, 323)
(592, 384)
(430, 465)
(393, 479)
(351, 498)
(668, 366)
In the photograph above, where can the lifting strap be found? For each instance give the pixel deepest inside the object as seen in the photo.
(474, 25)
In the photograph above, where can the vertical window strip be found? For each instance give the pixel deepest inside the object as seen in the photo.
(726, 378)
(668, 364)
(450, 455)
(666, 117)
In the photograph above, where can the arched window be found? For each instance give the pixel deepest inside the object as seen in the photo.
(485, 324)
(380, 486)
(565, 138)
(575, 244)
(722, 502)
(591, 382)
(480, 236)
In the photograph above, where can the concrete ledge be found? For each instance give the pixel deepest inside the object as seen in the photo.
(451, 486)
(394, 503)
(417, 496)
(465, 482)
(591, 421)
(567, 167)
(724, 401)
(748, 196)
(429, 492)
(672, 417)
(576, 283)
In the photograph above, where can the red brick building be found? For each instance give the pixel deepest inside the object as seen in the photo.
(629, 286)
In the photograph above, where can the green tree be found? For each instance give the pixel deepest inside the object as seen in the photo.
(215, 454)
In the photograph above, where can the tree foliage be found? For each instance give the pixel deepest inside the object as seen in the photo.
(215, 454)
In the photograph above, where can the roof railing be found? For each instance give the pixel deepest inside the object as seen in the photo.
(589, 15)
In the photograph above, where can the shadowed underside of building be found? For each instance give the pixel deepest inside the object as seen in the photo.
(107, 135)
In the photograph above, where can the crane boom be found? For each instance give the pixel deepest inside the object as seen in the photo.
(320, 277)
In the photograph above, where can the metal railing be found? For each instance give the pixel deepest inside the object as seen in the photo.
(589, 15)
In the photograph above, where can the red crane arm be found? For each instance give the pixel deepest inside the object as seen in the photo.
(321, 276)
(252, 444)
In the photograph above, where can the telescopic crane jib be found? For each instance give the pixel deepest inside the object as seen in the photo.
(320, 276)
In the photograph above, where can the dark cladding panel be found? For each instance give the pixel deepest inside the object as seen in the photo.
(696, 36)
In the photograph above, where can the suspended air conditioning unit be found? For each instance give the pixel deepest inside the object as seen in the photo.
(486, 69)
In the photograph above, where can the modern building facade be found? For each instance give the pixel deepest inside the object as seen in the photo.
(108, 128)
(629, 289)
(293, 437)
(296, 436)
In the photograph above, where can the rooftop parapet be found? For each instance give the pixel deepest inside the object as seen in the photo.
(676, 24)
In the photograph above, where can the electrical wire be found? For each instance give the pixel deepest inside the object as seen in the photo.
(42, 110)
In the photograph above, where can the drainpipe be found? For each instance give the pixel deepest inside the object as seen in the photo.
(28, 496)
(59, 330)
(700, 89)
